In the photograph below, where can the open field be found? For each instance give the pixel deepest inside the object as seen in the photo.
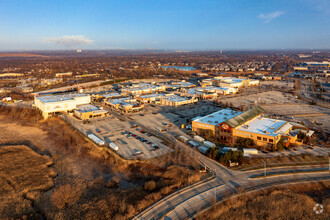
(91, 182)
(288, 85)
(288, 202)
(259, 162)
(24, 174)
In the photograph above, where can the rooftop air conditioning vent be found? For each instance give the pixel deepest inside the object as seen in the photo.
(209, 121)
(216, 121)
(272, 128)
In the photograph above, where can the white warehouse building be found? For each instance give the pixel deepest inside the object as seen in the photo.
(52, 104)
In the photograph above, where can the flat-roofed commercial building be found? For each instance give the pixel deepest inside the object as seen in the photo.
(125, 104)
(261, 130)
(175, 100)
(231, 82)
(208, 92)
(322, 67)
(222, 122)
(213, 121)
(150, 98)
(52, 104)
(144, 88)
(226, 128)
(89, 111)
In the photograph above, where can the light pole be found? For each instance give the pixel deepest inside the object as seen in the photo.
(215, 190)
(265, 167)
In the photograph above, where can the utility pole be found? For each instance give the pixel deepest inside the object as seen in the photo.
(265, 167)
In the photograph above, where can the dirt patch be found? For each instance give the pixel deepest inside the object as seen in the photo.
(23, 175)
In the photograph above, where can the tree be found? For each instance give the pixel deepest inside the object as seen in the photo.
(280, 146)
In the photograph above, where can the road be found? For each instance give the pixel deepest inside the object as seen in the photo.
(188, 202)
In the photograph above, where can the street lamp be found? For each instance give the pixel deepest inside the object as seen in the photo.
(215, 190)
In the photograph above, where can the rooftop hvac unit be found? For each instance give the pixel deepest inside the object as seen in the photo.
(216, 121)
(272, 128)
(209, 121)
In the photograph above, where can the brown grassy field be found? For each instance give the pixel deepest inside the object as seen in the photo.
(91, 182)
(23, 175)
(292, 159)
(292, 202)
(20, 55)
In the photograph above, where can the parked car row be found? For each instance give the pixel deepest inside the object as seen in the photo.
(132, 135)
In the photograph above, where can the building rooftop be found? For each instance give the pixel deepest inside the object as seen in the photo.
(60, 98)
(87, 108)
(175, 98)
(218, 117)
(261, 125)
(244, 117)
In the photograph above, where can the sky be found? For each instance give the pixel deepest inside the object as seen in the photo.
(164, 24)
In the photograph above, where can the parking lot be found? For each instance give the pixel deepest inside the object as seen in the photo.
(132, 144)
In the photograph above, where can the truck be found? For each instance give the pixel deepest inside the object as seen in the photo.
(199, 138)
(250, 151)
(114, 146)
(95, 139)
(183, 138)
(202, 149)
(193, 143)
(209, 144)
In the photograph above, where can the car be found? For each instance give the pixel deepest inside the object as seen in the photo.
(148, 134)
(98, 130)
(86, 121)
(148, 142)
(156, 147)
(123, 142)
(134, 135)
(128, 136)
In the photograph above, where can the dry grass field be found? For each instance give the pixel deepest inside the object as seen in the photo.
(91, 182)
(292, 159)
(291, 202)
(24, 174)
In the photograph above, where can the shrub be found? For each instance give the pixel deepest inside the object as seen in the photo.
(150, 186)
